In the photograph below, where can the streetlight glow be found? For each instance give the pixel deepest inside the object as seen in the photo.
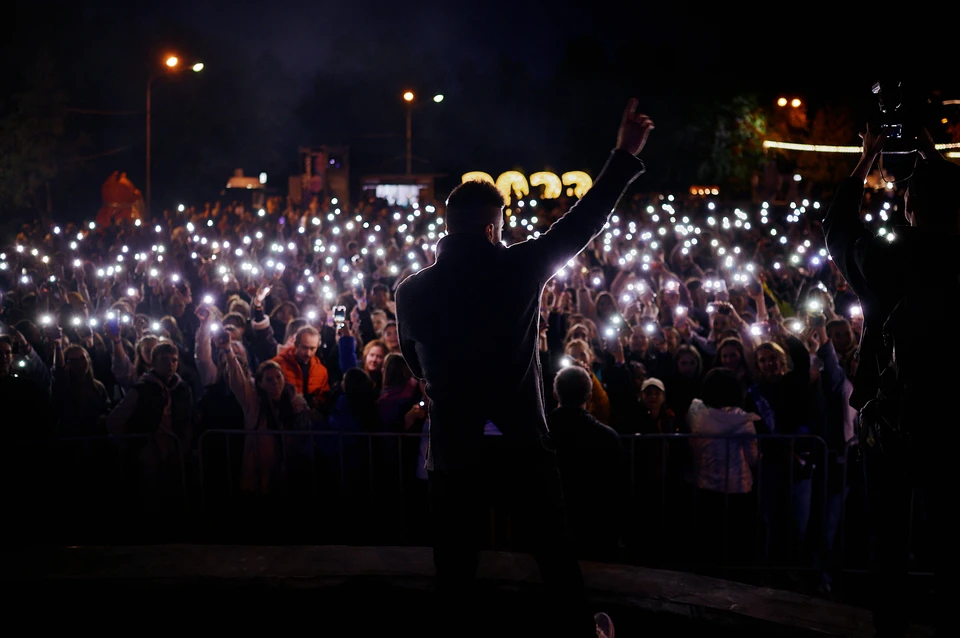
(782, 101)
(795, 103)
(172, 61)
(408, 96)
(198, 67)
(438, 98)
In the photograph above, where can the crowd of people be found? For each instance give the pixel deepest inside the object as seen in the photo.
(252, 357)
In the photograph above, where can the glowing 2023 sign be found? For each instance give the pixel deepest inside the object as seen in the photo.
(514, 183)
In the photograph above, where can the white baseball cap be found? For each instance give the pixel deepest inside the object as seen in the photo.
(657, 383)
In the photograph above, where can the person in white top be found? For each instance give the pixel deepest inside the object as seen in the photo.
(725, 451)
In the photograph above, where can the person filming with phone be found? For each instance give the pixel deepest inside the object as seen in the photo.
(907, 282)
(480, 287)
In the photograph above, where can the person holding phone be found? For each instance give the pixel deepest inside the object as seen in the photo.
(480, 287)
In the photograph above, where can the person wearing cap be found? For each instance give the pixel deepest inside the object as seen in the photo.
(653, 453)
(658, 419)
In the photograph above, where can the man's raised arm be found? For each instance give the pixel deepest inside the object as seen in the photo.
(585, 220)
(842, 228)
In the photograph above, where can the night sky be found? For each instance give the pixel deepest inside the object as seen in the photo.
(525, 87)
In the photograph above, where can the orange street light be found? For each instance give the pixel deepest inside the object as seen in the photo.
(171, 62)
(410, 98)
(782, 101)
(795, 103)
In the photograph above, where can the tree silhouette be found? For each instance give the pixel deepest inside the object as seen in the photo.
(33, 150)
(736, 153)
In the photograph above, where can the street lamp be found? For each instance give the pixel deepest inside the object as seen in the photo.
(409, 98)
(795, 102)
(170, 64)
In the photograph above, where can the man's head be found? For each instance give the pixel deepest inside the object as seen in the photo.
(572, 387)
(476, 208)
(306, 342)
(932, 199)
(165, 358)
(6, 355)
(653, 394)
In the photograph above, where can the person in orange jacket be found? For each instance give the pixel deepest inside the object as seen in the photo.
(303, 369)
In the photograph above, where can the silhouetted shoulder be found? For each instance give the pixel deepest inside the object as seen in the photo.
(411, 286)
(608, 433)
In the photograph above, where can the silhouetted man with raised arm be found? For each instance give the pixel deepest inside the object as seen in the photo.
(480, 290)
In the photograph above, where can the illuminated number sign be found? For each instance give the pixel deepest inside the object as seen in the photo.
(704, 190)
(514, 184)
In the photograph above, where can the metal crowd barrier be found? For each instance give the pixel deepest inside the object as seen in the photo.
(108, 488)
(359, 488)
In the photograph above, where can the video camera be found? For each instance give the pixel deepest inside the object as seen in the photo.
(901, 134)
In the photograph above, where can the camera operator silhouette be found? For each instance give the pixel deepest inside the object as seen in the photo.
(907, 282)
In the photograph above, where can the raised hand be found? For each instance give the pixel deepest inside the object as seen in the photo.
(872, 142)
(634, 129)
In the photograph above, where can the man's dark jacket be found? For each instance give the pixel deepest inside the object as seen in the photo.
(469, 324)
(920, 268)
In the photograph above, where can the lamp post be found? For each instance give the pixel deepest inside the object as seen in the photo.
(170, 64)
(408, 98)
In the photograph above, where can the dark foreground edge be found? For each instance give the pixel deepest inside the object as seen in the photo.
(386, 587)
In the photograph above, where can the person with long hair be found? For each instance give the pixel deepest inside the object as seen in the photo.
(80, 401)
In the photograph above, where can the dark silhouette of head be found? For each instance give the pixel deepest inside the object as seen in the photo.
(721, 389)
(572, 387)
(932, 200)
(476, 207)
